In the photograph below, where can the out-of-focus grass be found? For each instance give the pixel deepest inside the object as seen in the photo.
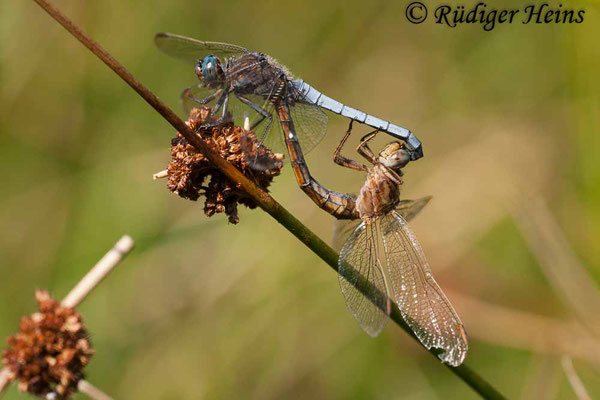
(204, 309)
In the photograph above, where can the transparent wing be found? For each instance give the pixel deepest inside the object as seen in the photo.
(359, 268)
(310, 123)
(343, 228)
(409, 209)
(424, 306)
(191, 50)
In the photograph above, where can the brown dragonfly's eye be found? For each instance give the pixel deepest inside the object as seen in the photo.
(401, 158)
(394, 155)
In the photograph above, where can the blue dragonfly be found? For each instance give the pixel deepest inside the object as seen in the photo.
(235, 80)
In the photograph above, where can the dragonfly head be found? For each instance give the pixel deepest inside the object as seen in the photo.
(394, 155)
(209, 70)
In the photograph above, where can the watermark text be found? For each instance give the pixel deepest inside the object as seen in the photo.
(489, 17)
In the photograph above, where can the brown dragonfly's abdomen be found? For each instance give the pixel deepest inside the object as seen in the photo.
(378, 196)
(340, 205)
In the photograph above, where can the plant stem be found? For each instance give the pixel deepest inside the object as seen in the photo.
(98, 272)
(574, 380)
(4, 378)
(263, 199)
(92, 391)
(159, 175)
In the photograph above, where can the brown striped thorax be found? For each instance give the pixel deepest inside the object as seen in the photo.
(381, 192)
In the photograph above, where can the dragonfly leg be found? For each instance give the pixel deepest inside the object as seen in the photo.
(340, 205)
(187, 93)
(264, 114)
(346, 162)
(363, 148)
(222, 102)
(225, 106)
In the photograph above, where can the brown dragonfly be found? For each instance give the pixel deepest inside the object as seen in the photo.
(382, 237)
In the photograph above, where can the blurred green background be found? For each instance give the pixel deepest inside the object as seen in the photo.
(510, 123)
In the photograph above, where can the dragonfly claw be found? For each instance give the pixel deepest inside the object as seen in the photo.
(416, 153)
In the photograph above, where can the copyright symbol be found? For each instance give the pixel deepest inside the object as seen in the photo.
(416, 12)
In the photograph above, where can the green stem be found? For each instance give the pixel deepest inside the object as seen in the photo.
(266, 202)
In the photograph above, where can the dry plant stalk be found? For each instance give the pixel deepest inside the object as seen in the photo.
(162, 174)
(91, 391)
(98, 272)
(49, 353)
(5, 378)
(558, 262)
(191, 174)
(574, 379)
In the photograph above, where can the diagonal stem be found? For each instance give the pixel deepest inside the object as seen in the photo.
(264, 200)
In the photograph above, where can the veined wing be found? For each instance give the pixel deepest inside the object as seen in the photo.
(360, 272)
(343, 228)
(191, 50)
(421, 301)
(409, 209)
(310, 122)
(309, 119)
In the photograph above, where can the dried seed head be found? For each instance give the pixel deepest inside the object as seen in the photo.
(49, 353)
(191, 174)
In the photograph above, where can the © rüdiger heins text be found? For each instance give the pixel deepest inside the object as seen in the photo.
(542, 13)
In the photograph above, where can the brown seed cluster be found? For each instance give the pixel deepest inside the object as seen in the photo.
(192, 175)
(49, 353)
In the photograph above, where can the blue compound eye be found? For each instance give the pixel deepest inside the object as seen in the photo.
(211, 69)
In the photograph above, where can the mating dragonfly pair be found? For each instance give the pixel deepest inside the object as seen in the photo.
(235, 81)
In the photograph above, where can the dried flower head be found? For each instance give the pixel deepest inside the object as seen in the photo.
(49, 353)
(191, 174)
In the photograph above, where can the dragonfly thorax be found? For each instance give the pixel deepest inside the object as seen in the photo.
(380, 194)
(209, 70)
